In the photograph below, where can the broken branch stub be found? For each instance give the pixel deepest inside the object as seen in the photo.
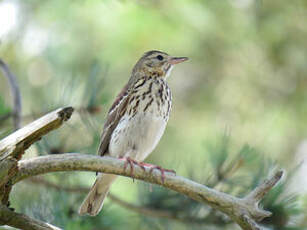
(13, 146)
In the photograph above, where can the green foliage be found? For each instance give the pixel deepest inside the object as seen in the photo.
(4, 109)
(4, 116)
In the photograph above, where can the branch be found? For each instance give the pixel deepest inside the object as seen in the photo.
(259, 192)
(13, 146)
(11, 151)
(243, 211)
(15, 93)
(21, 221)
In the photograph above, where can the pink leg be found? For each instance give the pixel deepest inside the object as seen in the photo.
(162, 170)
(131, 162)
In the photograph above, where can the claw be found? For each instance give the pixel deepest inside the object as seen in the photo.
(132, 162)
(162, 170)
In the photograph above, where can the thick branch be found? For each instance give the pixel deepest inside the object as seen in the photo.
(15, 93)
(13, 146)
(21, 221)
(16, 143)
(240, 210)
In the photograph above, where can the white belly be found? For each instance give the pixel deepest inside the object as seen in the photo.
(138, 137)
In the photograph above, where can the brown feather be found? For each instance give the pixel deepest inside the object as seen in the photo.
(116, 111)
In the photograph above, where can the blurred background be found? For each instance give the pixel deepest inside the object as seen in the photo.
(239, 108)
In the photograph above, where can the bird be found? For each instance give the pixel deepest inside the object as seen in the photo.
(135, 122)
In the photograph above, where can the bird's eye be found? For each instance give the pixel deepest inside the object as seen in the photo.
(160, 57)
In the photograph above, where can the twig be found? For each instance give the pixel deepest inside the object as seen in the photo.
(15, 93)
(238, 209)
(21, 221)
(259, 192)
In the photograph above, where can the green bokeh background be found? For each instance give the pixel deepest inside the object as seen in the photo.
(247, 77)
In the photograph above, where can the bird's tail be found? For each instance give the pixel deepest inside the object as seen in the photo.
(93, 202)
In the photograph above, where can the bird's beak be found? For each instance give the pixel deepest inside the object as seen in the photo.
(176, 60)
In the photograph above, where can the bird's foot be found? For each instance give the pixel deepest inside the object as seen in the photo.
(152, 167)
(131, 162)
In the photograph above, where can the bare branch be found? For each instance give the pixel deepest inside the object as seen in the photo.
(15, 93)
(251, 223)
(259, 192)
(21, 221)
(13, 146)
(240, 210)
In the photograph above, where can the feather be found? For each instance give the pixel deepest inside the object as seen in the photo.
(116, 111)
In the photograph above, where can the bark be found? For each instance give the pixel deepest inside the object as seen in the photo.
(21, 221)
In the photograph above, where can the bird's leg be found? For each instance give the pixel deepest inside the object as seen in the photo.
(152, 167)
(131, 162)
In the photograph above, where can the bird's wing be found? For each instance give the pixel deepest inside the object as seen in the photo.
(116, 111)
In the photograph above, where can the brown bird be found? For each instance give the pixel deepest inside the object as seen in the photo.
(136, 121)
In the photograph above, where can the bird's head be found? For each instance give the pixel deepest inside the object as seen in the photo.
(156, 63)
